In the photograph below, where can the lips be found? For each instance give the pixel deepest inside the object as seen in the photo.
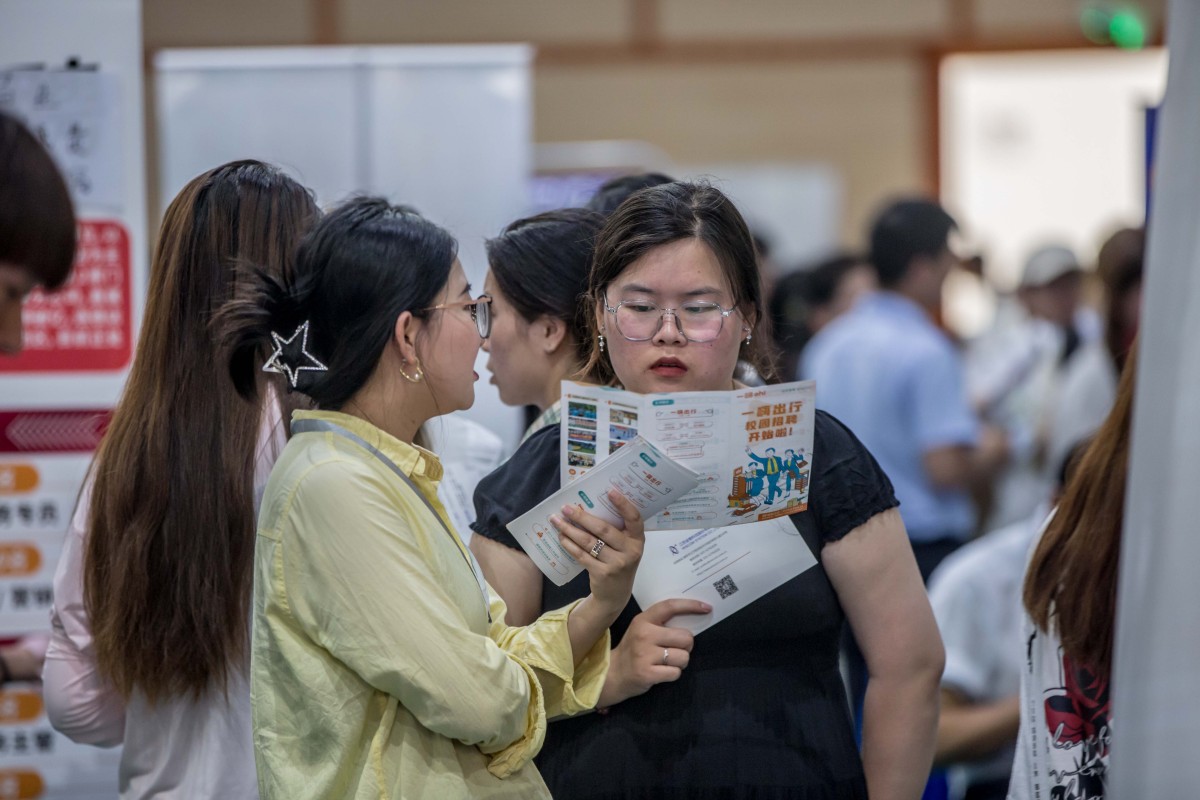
(669, 368)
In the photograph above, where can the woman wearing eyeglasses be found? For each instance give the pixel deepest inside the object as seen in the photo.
(382, 665)
(753, 707)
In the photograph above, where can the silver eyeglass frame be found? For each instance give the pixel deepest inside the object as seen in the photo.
(725, 313)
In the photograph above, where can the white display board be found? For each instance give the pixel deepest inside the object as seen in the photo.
(446, 129)
(1042, 148)
(798, 207)
(55, 398)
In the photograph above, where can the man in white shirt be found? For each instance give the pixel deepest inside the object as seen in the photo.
(976, 598)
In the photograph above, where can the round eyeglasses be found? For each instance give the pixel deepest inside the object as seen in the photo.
(640, 320)
(480, 310)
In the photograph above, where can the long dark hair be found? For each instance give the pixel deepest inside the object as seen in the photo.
(37, 221)
(355, 273)
(541, 264)
(1071, 584)
(668, 213)
(167, 570)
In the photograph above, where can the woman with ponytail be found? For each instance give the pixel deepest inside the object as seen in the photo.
(152, 595)
(382, 664)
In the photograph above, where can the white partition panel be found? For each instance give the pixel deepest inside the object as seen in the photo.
(1156, 714)
(443, 128)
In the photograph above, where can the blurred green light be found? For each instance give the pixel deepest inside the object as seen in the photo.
(1095, 25)
(1127, 30)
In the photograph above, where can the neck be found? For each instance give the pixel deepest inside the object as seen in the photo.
(387, 407)
(912, 293)
(563, 367)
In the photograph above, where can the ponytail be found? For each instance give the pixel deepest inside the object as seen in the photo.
(358, 269)
(267, 304)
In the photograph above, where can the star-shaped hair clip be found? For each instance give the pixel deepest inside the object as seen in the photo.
(291, 355)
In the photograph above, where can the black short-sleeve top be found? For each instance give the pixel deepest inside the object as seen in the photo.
(761, 710)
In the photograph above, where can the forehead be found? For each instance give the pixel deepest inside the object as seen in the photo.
(676, 268)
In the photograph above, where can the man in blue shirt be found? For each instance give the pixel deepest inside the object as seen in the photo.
(896, 379)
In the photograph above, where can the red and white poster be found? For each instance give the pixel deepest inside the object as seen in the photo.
(88, 324)
(57, 396)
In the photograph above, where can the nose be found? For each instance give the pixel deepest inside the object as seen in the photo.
(486, 346)
(669, 331)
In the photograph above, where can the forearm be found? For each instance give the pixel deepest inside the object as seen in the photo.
(969, 732)
(513, 576)
(587, 623)
(899, 731)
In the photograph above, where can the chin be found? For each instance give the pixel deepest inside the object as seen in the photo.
(461, 401)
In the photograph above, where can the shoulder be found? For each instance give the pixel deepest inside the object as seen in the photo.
(834, 442)
(848, 485)
(927, 345)
(830, 339)
(528, 477)
(313, 471)
(539, 452)
(994, 556)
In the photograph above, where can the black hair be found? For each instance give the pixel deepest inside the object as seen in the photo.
(793, 300)
(669, 213)
(905, 230)
(355, 273)
(541, 264)
(617, 190)
(37, 220)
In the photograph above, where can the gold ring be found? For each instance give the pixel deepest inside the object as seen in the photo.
(597, 547)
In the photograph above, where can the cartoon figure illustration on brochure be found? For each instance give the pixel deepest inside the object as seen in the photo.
(773, 467)
(795, 469)
(747, 486)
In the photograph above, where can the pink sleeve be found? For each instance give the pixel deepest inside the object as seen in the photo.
(80, 703)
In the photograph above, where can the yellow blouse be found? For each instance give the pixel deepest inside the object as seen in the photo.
(375, 672)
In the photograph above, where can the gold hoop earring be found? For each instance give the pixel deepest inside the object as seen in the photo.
(410, 378)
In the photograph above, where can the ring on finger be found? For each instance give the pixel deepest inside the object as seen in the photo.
(597, 547)
(666, 655)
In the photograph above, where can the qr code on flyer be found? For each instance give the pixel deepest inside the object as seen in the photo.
(726, 587)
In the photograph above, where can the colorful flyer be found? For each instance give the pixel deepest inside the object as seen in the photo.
(752, 447)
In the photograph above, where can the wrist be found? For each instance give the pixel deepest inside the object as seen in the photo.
(602, 610)
(615, 689)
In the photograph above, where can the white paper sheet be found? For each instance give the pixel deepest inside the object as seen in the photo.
(728, 568)
(640, 472)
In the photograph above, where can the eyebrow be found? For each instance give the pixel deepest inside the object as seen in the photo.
(637, 287)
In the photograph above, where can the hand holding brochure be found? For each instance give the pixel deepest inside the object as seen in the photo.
(751, 447)
(640, 472)
(728, 568)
